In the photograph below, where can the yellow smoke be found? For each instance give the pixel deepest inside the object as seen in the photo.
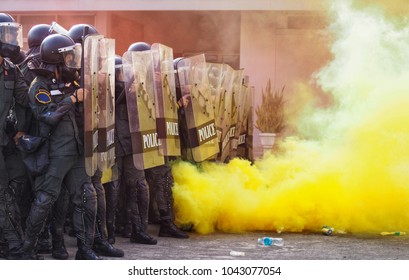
(353, 172)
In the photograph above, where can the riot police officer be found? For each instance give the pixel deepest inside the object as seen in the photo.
(35, 36)
(160, 181)
(132, 180)
(101, 244)
(12, 90)
(53, 94)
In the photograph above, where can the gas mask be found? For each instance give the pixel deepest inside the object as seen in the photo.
(69, 74)
(10, 51)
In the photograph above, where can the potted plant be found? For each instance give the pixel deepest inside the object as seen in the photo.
(270, 116)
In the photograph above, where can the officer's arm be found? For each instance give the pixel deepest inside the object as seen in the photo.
(21, 91)
(53, 117)
(21, 102)
(44, 109)
(21, 113)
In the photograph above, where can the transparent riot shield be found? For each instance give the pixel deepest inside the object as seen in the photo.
(91, 86)
(199, 112)
(224, 109)
(165, 101)
(140, 99)
(215, 75)
(106, 103)
(235, 111)
(242, 122)
(249, 122)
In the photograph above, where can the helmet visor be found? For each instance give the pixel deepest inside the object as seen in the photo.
(72, 55)
(58, 29)
(11, 33)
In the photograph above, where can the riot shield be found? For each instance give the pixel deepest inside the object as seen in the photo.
(242, 122)
(235, 111)
(215, 75)
(247, 148)
(199, 113)
(106, 103)
(140, 99)
(90, 76)
(165, 101)
(224, 109)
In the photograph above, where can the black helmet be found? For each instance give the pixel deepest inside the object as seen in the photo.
(37, 34)
(139, 46)
(50, 49)
(176, 61)
(118, 60)
(6, 18)
(11, 36)
(76, 32)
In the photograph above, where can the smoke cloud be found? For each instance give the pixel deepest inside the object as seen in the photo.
(349, 165)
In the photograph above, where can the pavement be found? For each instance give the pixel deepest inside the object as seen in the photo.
(297, 246)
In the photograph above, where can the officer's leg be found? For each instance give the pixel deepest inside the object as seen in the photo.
(84, 200)
(10, 229)
(124, 224)
(47, 189)
(111, 192)
(58, 218)
(101, 244)
(162, 181)
(139, 203)
(18, 178)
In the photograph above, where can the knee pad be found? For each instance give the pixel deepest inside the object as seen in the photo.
(38, 214)
(43, 200)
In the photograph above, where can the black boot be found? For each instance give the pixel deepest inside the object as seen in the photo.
(141, 236)
(43, 244)
(4, 247)
(85, 252)
(104, 248)
(169, 229)
(27, 252)
(4, 251)
(59, 251)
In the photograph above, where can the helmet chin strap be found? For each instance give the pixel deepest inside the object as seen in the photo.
(57, 73)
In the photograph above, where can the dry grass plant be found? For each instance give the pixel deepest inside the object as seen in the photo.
(270, 113)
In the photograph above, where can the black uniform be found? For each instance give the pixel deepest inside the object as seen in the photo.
(53, 107)
(132, 181)
(12, 89)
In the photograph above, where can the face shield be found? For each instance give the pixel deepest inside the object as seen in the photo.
(58, 29)
(11, 39)
(119, 72)
(11, 33)
(72, 56)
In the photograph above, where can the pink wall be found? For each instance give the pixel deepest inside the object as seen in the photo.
(286, 47)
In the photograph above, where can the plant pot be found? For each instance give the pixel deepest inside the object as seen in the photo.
(267, 141)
